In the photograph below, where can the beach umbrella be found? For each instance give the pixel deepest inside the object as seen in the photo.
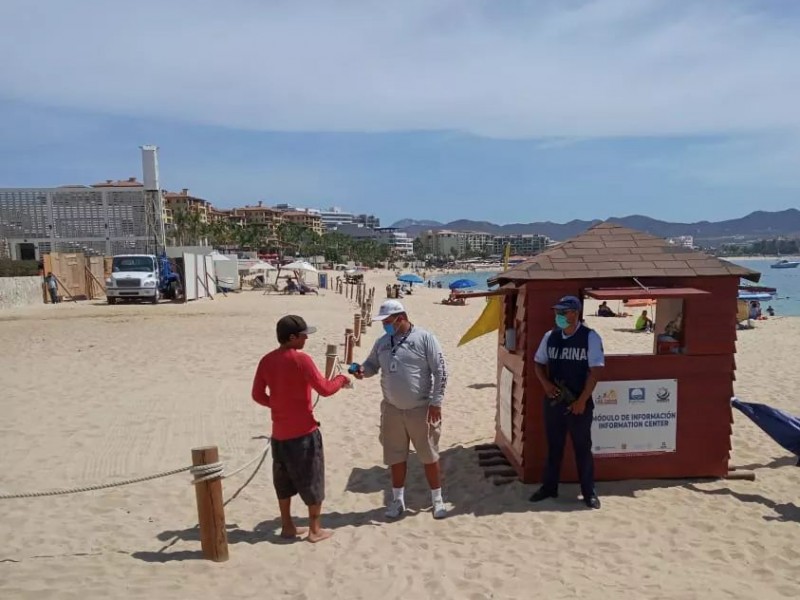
(460, 284)
(261, 266)
(300, 265)
(410, 278)
(777, 424)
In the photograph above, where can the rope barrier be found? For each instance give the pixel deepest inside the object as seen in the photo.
(205, 472)
(92, 488)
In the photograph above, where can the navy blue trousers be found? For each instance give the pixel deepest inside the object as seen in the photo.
(558, 422)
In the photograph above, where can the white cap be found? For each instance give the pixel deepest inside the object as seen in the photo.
(389, 308)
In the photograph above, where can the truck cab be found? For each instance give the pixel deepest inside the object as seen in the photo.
(133, 277)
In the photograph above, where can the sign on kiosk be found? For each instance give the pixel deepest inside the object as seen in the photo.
(635, 417)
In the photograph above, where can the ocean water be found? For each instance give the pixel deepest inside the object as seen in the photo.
(787, 299)
(786, 302)
(478, 277)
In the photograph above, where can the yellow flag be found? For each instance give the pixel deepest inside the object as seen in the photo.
(488, 321)
(492, 314)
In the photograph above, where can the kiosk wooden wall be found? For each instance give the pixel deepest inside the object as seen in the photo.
(705, 374)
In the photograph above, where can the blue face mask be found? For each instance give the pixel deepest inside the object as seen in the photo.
(389, 328)
(562, 322)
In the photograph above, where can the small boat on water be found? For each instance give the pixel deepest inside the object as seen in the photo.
(757, 292)
(755, 296)
(785, 264)
(757, 288)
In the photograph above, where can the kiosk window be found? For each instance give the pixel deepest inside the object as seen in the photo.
(653, 318)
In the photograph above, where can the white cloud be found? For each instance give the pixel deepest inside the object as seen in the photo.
(554, 68)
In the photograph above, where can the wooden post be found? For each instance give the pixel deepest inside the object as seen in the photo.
(210, 510)
(65, 288)
(330, 360)
(205, 287)
(348, 346)
(357, 329)
(736, 474)
(91, 287)
(363, 325)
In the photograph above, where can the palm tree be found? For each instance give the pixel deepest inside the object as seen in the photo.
(294, 238)
(251, 236)
(189, 228)
(336, 247)
(180, 227)
(221, 233)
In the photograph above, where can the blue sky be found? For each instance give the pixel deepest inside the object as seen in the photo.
(503, 111)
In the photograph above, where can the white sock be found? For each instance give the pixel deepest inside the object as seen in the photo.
(399, 494)
(436, 495)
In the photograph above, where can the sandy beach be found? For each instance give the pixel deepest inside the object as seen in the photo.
(93, 393)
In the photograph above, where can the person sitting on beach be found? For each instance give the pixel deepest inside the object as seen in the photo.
(644, 323)
(306, 289)
(454, 299)
(755, 310)
(673, 328)
(604, 311)
(298, 461)
(770, 311)
(291, 286)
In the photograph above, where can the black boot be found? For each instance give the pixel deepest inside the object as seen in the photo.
(542, 494)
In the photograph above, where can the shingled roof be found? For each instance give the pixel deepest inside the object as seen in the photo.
(607, 250)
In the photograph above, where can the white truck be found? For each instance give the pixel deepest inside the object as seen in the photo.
(133, 277)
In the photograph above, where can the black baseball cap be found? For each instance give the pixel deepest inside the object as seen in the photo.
(292, 325)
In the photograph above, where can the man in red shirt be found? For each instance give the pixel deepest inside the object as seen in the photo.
(298, 461)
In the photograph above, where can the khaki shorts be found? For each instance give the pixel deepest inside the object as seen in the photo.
(398, 427)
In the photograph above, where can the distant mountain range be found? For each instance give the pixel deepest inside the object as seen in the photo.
(756, 225)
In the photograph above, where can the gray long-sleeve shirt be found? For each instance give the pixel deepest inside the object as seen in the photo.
(413, 370)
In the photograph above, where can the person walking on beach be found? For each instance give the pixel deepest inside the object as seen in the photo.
(52, 287)
(298, 461)
(567, 363)
(413, 380)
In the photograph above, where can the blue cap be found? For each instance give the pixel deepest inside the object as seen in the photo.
(568, 303)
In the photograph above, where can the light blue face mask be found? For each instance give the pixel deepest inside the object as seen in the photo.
(562, 322)
(389, 328)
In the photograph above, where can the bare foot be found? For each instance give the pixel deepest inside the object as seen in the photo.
(322, 534)
(290, 534)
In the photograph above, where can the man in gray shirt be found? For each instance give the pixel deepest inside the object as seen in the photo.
(413, 379)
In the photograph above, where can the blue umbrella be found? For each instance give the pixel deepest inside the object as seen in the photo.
(460, 284)
(410, 278)
(780, 426)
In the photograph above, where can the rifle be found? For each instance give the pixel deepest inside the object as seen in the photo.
(565, 395)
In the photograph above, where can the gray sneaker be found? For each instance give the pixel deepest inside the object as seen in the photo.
(439, 510)
(395, 509)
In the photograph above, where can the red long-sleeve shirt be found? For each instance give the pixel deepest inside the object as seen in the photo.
(290, 375)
